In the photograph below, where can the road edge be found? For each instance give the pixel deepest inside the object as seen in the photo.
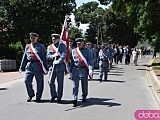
(153, 81)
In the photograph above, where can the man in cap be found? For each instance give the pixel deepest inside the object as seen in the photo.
(93, 53)
(111, 50)
(96, 50)
(81, 67)
(104, 57)
(35, 64)
(56, 54)
(107, 51)
(71, 47)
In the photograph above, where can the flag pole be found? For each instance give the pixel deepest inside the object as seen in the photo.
(65, 22)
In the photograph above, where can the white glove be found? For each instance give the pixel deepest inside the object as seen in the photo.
(20, 71)
(90, 72)
(70, 75)
(56, 62)
(56, 54)
(90, 67)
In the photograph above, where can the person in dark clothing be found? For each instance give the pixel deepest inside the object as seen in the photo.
(116, 55)
(127, 55)
(121, 52)
(154, 54)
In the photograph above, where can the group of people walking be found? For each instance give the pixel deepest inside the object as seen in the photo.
(84, 58)
(37, 61)
(116, 54)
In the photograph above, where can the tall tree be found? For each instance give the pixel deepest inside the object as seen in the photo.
(74, 33)
(142, 15)
(119, 31)
(82, 13)
(105, 25)
(92, 14)
(19, 17)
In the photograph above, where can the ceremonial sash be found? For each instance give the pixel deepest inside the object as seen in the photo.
(36, 56)
(83, 61)
(54, 50)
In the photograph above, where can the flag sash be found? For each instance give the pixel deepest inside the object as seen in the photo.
(54, 50)
(36, 56)
(83, 61)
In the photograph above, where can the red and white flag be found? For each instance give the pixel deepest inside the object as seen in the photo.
(65, 37)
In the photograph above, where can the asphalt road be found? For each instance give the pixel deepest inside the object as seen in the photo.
(126, 91)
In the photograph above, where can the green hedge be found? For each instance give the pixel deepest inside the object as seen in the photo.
(12, 51)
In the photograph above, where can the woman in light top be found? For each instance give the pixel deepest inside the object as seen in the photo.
(135, 56)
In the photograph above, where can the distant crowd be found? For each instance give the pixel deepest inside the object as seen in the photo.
(117, 53)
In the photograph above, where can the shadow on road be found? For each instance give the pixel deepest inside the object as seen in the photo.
(115, 74)
(48, 101)
(43, 101)
(95, 73)
(96, 101)
(119, 81)
(141, 69)
(3, 88)
(116, 68)
(145, 65)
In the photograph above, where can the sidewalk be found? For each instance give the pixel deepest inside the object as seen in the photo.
(154, 80)
(9, 76)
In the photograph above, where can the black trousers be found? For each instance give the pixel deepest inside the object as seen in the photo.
(127, 59)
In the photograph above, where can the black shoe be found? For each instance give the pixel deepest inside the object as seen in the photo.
(72, 101)
(100, 80)
(105, 78)
(75, 103)
(83, 100)
(59, 101)
(52, 100)
(37, 100)
(30, 99)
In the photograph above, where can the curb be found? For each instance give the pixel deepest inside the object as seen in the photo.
(153, 81)
(11, 80)
(8, 83)
(10, 76)
(155, 77)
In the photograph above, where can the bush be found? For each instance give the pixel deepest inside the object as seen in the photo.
(12, 51)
